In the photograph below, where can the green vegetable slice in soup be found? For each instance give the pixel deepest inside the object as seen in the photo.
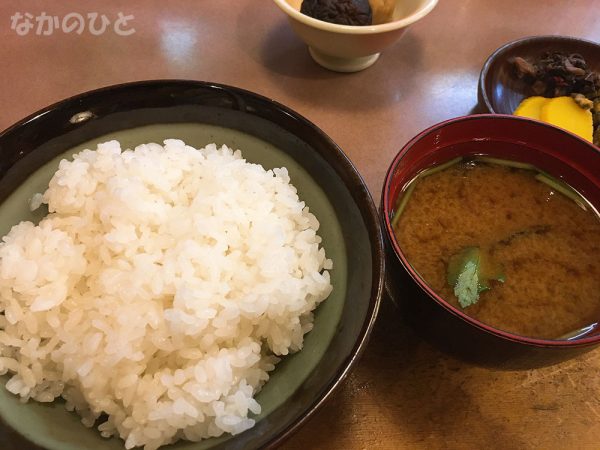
(470, 272)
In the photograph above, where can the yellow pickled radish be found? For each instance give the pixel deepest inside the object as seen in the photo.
(564, 112)
(531, 107)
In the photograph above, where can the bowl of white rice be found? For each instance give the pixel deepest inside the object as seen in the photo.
(184, 265)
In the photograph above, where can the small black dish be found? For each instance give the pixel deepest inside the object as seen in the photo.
(499, 90)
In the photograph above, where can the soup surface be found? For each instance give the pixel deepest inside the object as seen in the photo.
(546, 244)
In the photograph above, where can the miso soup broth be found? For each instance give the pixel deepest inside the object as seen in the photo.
(506, 245)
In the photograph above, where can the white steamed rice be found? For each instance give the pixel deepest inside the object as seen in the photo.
(159, 289)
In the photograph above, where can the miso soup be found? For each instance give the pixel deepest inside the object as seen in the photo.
(508, 246)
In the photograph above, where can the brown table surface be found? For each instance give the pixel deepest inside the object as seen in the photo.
(403, 393)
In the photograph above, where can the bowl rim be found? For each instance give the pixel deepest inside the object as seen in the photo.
(423, 286)
(425, 9)
(362, 198)
(485, 70)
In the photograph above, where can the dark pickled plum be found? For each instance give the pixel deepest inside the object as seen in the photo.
(343, 12)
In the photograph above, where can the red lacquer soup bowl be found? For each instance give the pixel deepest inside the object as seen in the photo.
(557, 152)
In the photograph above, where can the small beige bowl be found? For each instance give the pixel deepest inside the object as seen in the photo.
(347, 48)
